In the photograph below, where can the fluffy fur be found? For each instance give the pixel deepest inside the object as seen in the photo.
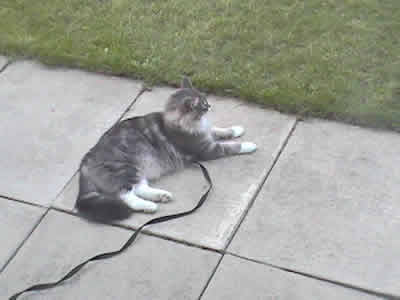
(114, 174)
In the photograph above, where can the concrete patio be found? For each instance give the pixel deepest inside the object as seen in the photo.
(313, 214)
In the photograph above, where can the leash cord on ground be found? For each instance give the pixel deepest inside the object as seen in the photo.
(106, 255)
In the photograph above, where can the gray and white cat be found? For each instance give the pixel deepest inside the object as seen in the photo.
(115, 173)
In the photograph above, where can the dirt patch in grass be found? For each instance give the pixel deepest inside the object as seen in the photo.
(336, 59)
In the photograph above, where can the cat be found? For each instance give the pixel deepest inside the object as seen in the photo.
(114, 175)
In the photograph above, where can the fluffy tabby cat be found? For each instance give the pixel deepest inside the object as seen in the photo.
(114, 174)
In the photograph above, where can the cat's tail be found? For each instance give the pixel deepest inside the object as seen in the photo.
(98, 208)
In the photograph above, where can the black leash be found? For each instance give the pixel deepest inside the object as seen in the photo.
(45, 286)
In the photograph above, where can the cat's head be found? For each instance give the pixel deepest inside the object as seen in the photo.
(187, 102)
(185, 109)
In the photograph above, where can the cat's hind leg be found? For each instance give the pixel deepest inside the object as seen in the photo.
(227, 133)
(138, 204)
(143, 190)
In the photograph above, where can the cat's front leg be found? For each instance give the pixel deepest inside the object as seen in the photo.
(227, 133)
(138, 204)
(220, 149)
(143, 190)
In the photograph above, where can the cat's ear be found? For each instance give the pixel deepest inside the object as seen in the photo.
(186, 83)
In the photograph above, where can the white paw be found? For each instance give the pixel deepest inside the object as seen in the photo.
(237, 131)
(150, 207)
(165, 197)
(247, 147)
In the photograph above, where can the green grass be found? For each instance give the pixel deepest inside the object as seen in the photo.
(336, 59)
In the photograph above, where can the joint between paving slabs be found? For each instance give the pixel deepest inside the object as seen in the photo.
(142, 90)
(316, 277)
(149, 233)
(211, 277)
(30, 232)
(145, 232)
(225, 252)
(24, 240)
(251, 202)
(263, 180)
(8, 62)
(23, 201)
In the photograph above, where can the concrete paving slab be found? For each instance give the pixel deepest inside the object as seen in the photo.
(331, 207)
(17, 221)
(49, 118)
(3, 61)
(236, 179)
(151, 269)
(242, 279)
